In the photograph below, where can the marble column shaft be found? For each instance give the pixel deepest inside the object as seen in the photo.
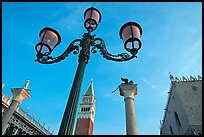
(129, 91)
(9, 113)
(19, 94)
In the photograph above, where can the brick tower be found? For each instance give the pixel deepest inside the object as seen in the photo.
(85, 120)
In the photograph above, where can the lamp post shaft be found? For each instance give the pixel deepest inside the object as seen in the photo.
(66, 127)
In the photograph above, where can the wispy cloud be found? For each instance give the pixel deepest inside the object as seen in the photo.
(158, 89)
(150, 83)
(73, 21)
(153, 86)
(191, 59)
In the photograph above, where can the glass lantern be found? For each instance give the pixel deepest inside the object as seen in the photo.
(92, 17)
(130, 33)
(49, 39)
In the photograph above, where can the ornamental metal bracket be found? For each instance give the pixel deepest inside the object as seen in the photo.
(73, 47)
(104, 52)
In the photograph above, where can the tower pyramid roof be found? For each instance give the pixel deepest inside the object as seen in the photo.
(90, 89)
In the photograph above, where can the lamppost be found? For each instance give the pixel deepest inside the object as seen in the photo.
(49, 38)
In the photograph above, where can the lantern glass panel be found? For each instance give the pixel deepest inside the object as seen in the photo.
(132, 44)
(43, 49)
(129, 45)
(91, 23)
(95, 16)
(136, 44)
(126, 33)
(41, 36)
(92, 14)
(50, 38)
(88, 15)
(136, 32)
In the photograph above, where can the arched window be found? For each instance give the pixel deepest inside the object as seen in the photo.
(171, 130)
(177, 119)
(20, 132)
(9, 130)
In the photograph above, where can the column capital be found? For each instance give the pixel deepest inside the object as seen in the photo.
(19, 94)
(128, 90)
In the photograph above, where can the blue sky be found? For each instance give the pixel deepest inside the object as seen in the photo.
(171, 42)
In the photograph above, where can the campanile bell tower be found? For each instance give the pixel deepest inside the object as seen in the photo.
(85, 120)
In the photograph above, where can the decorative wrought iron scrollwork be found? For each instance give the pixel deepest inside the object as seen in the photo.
(73, 47)
(102, 49)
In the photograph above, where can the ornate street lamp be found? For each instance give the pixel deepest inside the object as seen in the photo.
(92, 17)
(49, 38)
(130, 33)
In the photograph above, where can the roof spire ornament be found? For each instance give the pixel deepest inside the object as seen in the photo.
(171, 77)
(199, 77)
(184, 79)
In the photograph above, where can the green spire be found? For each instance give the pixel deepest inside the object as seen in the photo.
(90, 90)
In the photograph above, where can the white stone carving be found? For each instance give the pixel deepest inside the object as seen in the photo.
(26, 84)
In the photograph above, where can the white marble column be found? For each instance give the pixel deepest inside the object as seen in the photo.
(129, 91)
(19, 94)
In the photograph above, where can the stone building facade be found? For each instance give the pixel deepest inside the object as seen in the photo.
(183, 112)
(21, 123)
(85, 120)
